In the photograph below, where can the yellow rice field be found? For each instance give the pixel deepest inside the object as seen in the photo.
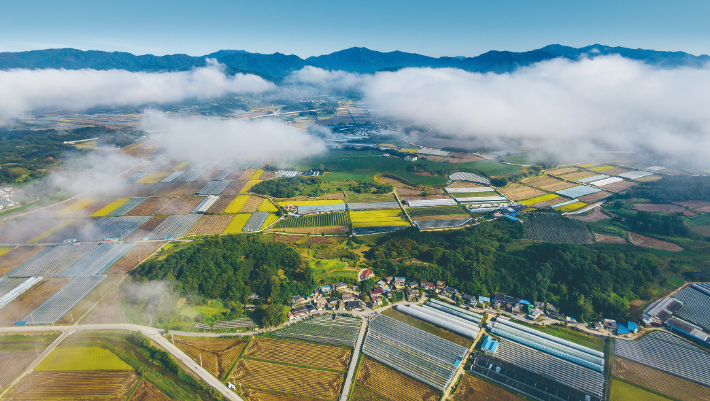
(4, 251)
(153, 178)
(373, 218)
(257, 174)
(409, 150)
(50, 231)
(267, 206)
(571, 207)
(538, 199)
(110, 207)
(151, 146)
(237, 223)
(313, 202)
(602, 168)
(179, 166)
(236, 204)
(269, 219)
(75, 207)
(245, 189)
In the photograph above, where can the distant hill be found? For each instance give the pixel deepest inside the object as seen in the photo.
(356, 59)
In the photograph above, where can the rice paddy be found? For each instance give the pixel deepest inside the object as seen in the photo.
(377, 218)
(539, 199)
(51, 231)
(110, 207)
(237, 223)
(267, 206)
(153, 178)
(236, 204)
(75, 207)
(269, 220)
(245, 189)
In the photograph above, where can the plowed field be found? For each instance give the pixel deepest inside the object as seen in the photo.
(30, 300)
(146, 228)
(660, 382)
(648, 242)
(221, 204)
(187, 188)
(255, 395)
(68, 384)
(548, 183)
(218, 355)
(298, 353)
(18, 256)
(107, 310)
(166, 206)
(233, 188)
(392, 384)
(287, 379)
(619, 186)
(252, 204)
(210, 225)
(148, 392)
(13, 364)
(518, 192)
(139, 253)
(475, 389)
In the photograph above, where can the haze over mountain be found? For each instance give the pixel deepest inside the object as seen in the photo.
(356, 59)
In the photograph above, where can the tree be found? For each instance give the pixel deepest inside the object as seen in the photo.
(274, 315)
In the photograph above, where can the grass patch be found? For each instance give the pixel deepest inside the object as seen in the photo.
(79, 358)
(622, 391)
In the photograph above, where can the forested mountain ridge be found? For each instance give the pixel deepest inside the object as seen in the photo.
(356, 59)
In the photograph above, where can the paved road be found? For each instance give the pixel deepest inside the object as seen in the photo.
(353, 362)
(152, 332)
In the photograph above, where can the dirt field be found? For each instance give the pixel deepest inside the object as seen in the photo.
(443, 217)
(619, 186)
(392, 384)
(107, 310)
(435, 192)
(562, 170)
(335, 230)
(548, 203)
(616, 171)
(695, 204)
(234, 175)
(574, 176)
(595, 197)
(472, 388)
(146, 228)
(218, 354)
(18, 256)
(139, 253)
(609, 239)
(166, 206)
(79, 310)
(210, 225)
(233, 188)
(148, 392)
(13, 364)
(251, 205)
(287, 379)
(286, 239)
(208, 176)
(256, 395)
(390, 181)
(186, 189)
(221, 204)
(108, 384)
(67, 231)
(93, 207)
(662, 208)
(298, 353)
(518, 192)
(596, 215)
(247, 174)
(547, 183)
(267, 175)
(647, 242)
(30, 300)
(660, 382)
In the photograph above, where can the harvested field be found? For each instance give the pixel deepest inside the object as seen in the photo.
(186, 189)
(406, 191)
(251, 205)
(106, 311)
(210, 225)
(578, 175)
(516, 192)
(443, 217)
(562, 170)
(334, 230)
(659, 382)
(547, 203)
(233, 188)
(360, 393)
(286, 239)
(598, 169)
(108, 384)
(148, 392)
(299, 353)
(287, 379)
(475, 389)
(616, 171)
(662, 208)
(18, 256)
(30, 300)
(540, 199)
(694, 204)
(218, 354)
(255, 395)
(649, 178)
(162, 189)
(13, 364)
(246, 175)
(548, 183)
(596, 215)
(619, 186)
(166, 206)
(595, 197)
(267, 175)
(221, 205)
(648, 242)
(234, 175)
(417, 197)
(392, 384)
(209, 175)
(429, 328)
(609, 239)
(146, 228)
(81, 308)
(135, 256)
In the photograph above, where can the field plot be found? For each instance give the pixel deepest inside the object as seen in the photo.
(74, 207)
(146, 228)
(578, 191)
(152, 178)
(696, 305)
(53, 261)
(208, 175)
(148, 392)
(234, 188)
(609, 239)
(17, 352)
(237, 203)
(255, 222)
(516, 192)
(98, 261)
(237, 224)
(668, 353)
(210, 225)
(246, 175)
(299, 353)
(63, 300)
(235, 174)
(257, 395)
(251, 205)
(175, 226)
(267, 206)
(576, 175)
(315, 220)
(336, 330)
(377, 218)
(106, 311)
(414, 352)
(101, 295)
(30, 300)
(222, 203)
(287, 379)
(184, 189)
(57, 228)
(553, 227)
(214, 187)
(598, 169)
(562, 170)
(126, 207)
(429, 328)
(82, 358)
(218, 354)
(391, 384)
(111, 227)
(166, 206)
(270, 219)
(11, 288)
(648, 242)
(547, 183)
(662, 208)
(435, 211)
(247, 186)
(569, 207)
(472, 388)
(373, 205)
(659, 382)
(441, 223)
(107, 384)
(11, 260)
(591, 198)
(616, 171)
(622, 391)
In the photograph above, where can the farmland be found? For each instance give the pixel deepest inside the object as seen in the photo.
(139, 253)
(110, 207)
(315, 220)
(96, 295)
(539, 199)
(237, 203)
(324, 329)
(391, 384)
(659, 382)
(82, 358)
(18, 351)
(429, 328)
(516, 192)
(435, 211)
(648, 242)
(85, 384)
(547, 183)
(287, 379)
(30, 300)
(237, 224)
(217, 355)
(375, 218)
(18, 256)
(553, 227)
(252, 204)
(622, 391)
(148, 392)
(221, 205)
(472, 388)
(146, 228)
(74, 207)
(299, 353)
(210, 225)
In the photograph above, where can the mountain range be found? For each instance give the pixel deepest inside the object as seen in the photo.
(357, 59)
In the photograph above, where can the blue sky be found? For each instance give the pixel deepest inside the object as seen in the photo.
(306, 28)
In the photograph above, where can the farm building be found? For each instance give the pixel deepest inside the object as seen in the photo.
(489, 345)
(621, 329)
(412, 295)
(633, 327)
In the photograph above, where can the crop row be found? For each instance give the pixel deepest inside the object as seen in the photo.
(299, 353)
(111, 227)
(335, 330)
(553, 227)
(53, 261)
(315, 220)
(175, 226)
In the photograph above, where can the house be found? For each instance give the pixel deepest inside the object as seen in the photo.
(489, 345)
(382, 284)
(412, 295)
(320, 303)
(299, 311)
(609, 324)
(534, 314)
(341, 305)
(399, 282)
(341, 287)
(326, 289)
(427, 286)
(440, 285)
(365, 274)
(332, 301)
(482, 299)
(389, 279)
(595, 326)
(468, 298)
(348, 296)
(410, 158)
(353, 305)
(297, 300)
(376, 302)
(249, 307)
(539, 305)
(377, 291)
(451, 291)
(355, 288)
(515, 309)
(621, 329)
(413, 284)
(291, 208)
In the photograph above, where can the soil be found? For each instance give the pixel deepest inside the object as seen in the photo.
(648, 242)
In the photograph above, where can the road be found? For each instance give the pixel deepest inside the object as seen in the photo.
(353, 362)
(152, 332)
